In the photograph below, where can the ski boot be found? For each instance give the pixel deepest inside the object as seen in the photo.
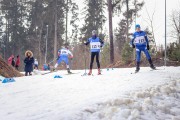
(99, 71)
(137, 67)
(151, 64)
(54, 69)
(90, 72)
(68, 70)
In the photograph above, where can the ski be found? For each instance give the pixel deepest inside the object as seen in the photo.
(48, 72)
(72, 73)
(134, 72)
(156, 69)
(91, 75)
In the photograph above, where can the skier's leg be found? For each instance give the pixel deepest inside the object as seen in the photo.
(67, 64)
(149, 58)
(58, 62)
(98, 63)
(138, 59)
(91, 63)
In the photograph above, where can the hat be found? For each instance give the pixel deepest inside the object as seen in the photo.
(137, 26)
(28, 51)
(94, 32)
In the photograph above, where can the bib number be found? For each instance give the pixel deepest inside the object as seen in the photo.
(63, 52)
(95, 45)
(140, 40)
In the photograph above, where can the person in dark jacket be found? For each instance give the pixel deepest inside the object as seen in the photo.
(29, 60)
(13, 62)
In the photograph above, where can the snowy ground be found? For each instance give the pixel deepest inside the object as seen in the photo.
(115, 95)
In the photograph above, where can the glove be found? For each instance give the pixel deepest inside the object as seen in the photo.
(147, 47)
(71, 57)
(133, 45)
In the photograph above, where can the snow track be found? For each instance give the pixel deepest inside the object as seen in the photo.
(116, 94)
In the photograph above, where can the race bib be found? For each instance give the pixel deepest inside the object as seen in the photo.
(64, 52)
(140, 39)
(95, 45)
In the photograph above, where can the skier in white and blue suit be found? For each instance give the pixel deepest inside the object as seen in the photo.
(95, 45)
(63, 55)
(140, 42)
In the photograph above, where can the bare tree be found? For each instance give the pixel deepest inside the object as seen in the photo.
(150, 23)
(175, 19)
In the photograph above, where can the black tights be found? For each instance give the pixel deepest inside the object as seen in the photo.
(93, 54)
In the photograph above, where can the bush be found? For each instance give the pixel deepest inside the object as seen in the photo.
(127, 53)
(173, 52)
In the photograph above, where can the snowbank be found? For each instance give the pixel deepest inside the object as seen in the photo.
(158, 102)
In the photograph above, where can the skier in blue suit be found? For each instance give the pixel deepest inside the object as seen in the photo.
(63, 55)
(141, 43)
(95, 45)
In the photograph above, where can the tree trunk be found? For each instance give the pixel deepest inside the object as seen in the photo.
(7, 70)
(55, 34)
(127, 20)
(111, 32)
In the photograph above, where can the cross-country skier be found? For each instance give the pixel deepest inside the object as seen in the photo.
(63, 55)
(140, 42)
(95, 45)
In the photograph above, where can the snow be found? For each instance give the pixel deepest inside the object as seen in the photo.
(115, 95)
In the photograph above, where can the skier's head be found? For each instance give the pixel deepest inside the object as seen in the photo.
(94, 33)
(138, 27)
(66, 45)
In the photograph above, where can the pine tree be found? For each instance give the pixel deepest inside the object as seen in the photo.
(94, 17)
(14, 11)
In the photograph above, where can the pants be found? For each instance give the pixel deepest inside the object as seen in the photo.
(62, 58)
(93, 54)
(138, 53)
(35, 66)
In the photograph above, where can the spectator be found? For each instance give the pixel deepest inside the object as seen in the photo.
(36, 64)
(13, 62)
(17, 62)
(29, 60)
(10, 60)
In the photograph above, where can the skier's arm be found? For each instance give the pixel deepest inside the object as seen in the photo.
(132, 41)
(87, 42)
(59, 53)
(70, 53)
(145, 36)
(147, 42)
(102, 42)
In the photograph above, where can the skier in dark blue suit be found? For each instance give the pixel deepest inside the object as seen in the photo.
(141, 43)
(95, 45)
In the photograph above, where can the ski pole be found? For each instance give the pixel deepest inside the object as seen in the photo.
(51, 61)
